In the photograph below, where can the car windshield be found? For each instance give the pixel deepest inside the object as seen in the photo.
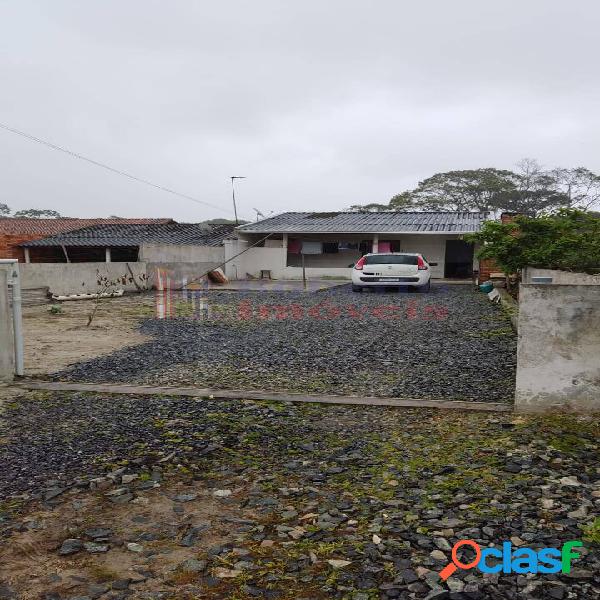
(391, 259)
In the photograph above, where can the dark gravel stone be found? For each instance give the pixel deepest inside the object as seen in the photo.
(98, 533)
(513, 468)
(120, 584)
(450, 343)
(409, 576)
(393, 502)
(70, 546)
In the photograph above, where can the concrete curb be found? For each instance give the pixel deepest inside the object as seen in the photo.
(60, 386)
(512, 306)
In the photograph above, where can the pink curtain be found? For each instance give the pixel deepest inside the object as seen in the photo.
(384, 247)
(294, 246)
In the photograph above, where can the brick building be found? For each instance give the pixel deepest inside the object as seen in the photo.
(14, 231)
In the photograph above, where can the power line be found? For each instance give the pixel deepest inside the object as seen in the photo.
(108, 167)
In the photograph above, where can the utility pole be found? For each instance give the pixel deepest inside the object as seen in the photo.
(233, 195)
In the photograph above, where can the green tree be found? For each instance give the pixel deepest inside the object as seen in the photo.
(568, 240)
(529, 189)
(4, 210)
(37, 213)
(469, 190)
(580, 185)
(373, 207)
(404, 201)
(535, 191)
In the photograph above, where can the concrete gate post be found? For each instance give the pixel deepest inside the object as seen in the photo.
(558, 356)
(7, 349)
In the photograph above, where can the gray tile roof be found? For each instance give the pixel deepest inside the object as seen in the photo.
(115, 235)
(369, 222)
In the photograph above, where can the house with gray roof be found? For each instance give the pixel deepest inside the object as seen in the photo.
(329, 243)
(135, 254)
(125, 242)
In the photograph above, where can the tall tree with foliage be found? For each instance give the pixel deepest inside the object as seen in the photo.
(529, 189)
(535, 191)
(580, 185)
(568, 240)
(470, 190)
(4, 210)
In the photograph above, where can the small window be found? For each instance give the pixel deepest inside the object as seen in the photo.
(391, 259)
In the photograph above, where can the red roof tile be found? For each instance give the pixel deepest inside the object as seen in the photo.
(46, 227)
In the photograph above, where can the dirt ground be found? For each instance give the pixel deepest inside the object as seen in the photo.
(55, 341)
(31, 565)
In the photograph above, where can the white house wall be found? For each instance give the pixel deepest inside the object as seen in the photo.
(274, 257)
(184, 253)
(432, 247)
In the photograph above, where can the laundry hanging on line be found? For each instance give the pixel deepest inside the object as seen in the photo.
(312, 247)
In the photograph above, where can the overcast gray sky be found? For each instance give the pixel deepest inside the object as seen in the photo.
(321, 104)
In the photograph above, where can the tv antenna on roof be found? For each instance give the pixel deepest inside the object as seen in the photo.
(233, 195)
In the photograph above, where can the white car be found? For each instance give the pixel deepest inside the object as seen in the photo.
(389, 269)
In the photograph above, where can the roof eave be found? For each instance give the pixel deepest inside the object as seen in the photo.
(364, 232)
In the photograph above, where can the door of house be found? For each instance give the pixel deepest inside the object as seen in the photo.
(459, 259)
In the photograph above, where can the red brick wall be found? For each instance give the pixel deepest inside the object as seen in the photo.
(9, 245)
(487, 266)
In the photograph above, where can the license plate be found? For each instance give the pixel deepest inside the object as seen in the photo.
(391, 278)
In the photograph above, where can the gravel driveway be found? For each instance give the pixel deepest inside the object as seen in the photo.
(451, 343)
(229, 499)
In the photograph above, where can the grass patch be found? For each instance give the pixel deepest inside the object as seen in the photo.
(591, 533)
(102, 574)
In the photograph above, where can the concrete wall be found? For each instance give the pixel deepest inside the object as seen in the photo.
(169, 253)
(560, 277)
(7, 352)
(77, 278)
(178, 272)
(558, 359)
(180, 262)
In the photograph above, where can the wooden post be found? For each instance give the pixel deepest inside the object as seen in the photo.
(303, 270)
(107, 254)
(27, 257)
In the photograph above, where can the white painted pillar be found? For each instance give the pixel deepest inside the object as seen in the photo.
(7, 349)
(107, 254)
(284, 254)
(27, 257)
(376, 242)
(235, 268)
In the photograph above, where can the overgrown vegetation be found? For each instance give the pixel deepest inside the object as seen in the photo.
(107, 287)
(591, 533)
(568, 240)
